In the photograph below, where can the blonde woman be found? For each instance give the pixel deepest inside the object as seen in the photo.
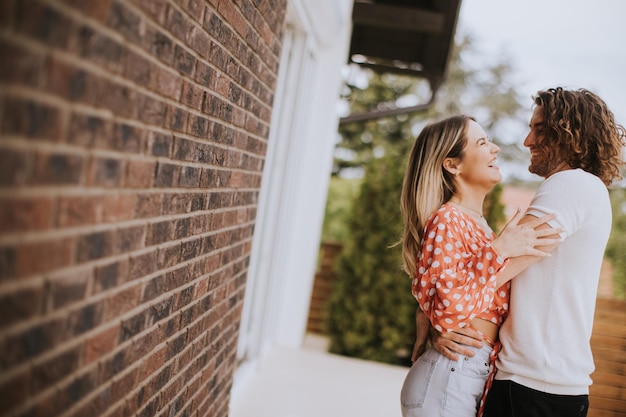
(456, 263)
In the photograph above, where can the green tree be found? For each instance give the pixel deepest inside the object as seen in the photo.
(341, 193)
(617, 242)
(371, 308)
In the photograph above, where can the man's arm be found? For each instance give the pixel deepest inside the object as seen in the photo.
(423, 326)
(446, 345)
(452, 343)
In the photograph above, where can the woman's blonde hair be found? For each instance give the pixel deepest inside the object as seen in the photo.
(427, 185)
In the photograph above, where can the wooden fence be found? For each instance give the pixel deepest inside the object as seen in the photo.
(322, 287)
(607, 394)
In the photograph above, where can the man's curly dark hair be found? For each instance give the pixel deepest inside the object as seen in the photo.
(579, 129)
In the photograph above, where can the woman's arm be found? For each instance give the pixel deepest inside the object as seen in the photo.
(546, 239)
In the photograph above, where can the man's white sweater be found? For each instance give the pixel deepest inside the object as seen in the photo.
(545, 339)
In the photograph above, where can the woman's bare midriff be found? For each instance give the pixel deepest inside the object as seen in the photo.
(487, 328)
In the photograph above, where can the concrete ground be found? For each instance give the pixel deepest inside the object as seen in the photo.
(309, 382)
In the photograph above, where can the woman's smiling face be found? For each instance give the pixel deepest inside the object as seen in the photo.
(478, 165)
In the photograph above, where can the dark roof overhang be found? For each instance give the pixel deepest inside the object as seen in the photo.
(410, 37)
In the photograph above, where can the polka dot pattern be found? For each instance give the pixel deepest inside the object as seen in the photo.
(456, 272)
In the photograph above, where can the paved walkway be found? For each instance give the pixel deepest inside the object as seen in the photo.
(310, 382)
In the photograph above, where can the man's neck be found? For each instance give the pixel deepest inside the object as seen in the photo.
(563, 166)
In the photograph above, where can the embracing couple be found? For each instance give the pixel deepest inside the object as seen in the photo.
(509, 317)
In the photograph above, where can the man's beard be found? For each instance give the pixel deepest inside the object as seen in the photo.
(542, 167)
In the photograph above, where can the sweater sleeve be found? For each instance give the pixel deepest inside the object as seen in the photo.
(456, 277)
(572, 208)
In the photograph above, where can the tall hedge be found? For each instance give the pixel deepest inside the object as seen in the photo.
(371, 310)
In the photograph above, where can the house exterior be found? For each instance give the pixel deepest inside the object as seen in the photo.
(163, 175)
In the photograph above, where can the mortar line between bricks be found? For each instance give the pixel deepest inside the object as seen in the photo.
(68, 231)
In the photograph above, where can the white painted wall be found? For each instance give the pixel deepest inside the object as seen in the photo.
(295, 180)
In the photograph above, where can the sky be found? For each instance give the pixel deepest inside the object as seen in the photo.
(568, 43)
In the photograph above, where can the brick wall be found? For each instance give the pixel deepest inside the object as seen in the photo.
(132, 140)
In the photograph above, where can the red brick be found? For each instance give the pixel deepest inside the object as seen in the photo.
(79, 210)
(148, 205)
(184, 61)
(59, 169)
(153, 8)
(176, 203)
(121, 302)
(25, 214)
(100, 49)
(97, 9)
(139, 69)
(72, 83)
(31, 119)
(16, 167)
(168, 84)
(26, 66)
(160, 144)
(94, 245)
(97, 405)
(159, 45)
(100, 344)
(169, 256)
(204, 73)
(119, 99)
(43, 256)
(43, 23)
(198, 126)
(123, 385)
(118, 207)
(15, 390)
(129, 239)
(109, 275)
(75, 390)
(89, 131)
(200, 41)
(140, 174)
(83, 319)
(142, 265)
(177, 23)
(195, 8)
(106, 172)
(54, 369)
(159, 232)
(21, 304)
(67, 288)
(125, 21)
(127, 138)
(192, 95)
(167, 175)
(152, 111)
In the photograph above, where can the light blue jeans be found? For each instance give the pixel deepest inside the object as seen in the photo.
(438, 387)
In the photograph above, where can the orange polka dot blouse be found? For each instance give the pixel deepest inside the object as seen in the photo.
(456, 272)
